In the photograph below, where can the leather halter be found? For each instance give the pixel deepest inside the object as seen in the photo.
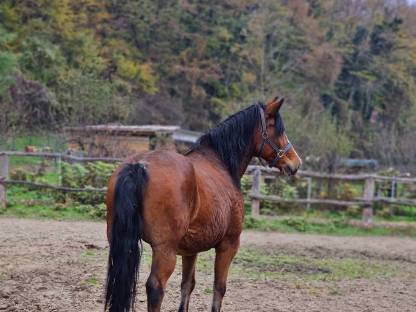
(266, 140)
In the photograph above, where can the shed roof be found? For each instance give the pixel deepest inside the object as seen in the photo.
(186, 136)
(144, 130)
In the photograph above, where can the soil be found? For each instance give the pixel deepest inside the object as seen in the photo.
(60, 266)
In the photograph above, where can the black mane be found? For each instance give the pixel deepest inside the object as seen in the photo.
(232, 139)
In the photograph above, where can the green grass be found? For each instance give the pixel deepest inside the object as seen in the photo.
(26, 203)
(54, 141)
(260, 263)
(23, 202)
(88, 253)
(67, 212)
(265, 263)
(41, 140)
(336, 226)
(27, 168)
(92, 281)
(397, 218)
(25, 162)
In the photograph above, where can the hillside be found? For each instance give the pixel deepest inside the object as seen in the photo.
(346, 68)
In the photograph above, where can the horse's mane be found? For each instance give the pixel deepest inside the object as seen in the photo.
(233, 138)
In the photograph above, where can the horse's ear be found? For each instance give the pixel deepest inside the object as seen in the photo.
(274, 105)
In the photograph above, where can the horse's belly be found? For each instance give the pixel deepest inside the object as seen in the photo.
(202, 236)
(217, 214)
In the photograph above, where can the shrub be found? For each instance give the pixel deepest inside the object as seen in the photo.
(92, 175)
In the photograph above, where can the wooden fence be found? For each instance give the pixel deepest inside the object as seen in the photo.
(58, 157)
(366, 201)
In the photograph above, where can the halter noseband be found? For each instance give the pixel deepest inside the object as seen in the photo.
(266, 140)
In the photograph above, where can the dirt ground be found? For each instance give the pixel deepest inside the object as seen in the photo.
(60, 266)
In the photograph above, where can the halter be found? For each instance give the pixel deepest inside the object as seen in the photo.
(266, 140)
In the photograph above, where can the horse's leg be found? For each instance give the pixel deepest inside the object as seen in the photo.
(225, 253)
(163, 264)
(188, 281)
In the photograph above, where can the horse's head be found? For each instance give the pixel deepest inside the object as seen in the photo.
(272, 143)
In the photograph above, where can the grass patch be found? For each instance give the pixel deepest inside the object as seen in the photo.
(88, 253)
(265, 264)
(47, 139)
(29, 203)
(55, 212)
(260, 263)
(208, 290)
(92, 281)
(26, 203)
(335, 226)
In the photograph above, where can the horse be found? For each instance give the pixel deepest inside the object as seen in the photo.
(183, 204)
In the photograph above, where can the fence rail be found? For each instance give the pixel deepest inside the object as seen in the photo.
(367, 200)
(54, 187)
(5, 164)
(335, 176)
(59, 156)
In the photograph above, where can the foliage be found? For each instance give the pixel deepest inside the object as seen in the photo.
(333, 226)
(92, 175)
(27, 202)
(56, 204)
(282, 188)
(296, 187)
(273, 263)
(23, 202)
(347, 69)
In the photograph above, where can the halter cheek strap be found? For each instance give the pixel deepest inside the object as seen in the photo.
(266, 140)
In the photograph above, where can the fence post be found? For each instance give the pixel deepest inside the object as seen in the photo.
(4, 166)
(393, 188)
(392, 195)
(255, 190)
(3, 196)
(59, 163)
(309, 193)
(369, 188)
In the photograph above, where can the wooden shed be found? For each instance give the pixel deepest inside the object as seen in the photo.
(118, 140)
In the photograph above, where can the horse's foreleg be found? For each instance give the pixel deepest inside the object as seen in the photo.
(163, 264)
(225, 253)
(188, 281)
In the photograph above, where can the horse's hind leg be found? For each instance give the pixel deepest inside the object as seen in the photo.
(225, 253)
(188, 281)
(163, 264)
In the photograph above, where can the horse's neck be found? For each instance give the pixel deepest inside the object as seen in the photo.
(246, 161)
(210, 152)
(231, 143)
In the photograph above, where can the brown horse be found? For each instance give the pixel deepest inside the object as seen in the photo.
(186, 204)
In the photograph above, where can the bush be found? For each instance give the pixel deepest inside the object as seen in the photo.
(250, 222)
(92, 175)
(353, 210)
(296, 223)
(348, 191)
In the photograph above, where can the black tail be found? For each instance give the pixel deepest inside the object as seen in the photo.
(125, 241)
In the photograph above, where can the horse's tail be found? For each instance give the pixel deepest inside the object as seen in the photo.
(125, 240)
